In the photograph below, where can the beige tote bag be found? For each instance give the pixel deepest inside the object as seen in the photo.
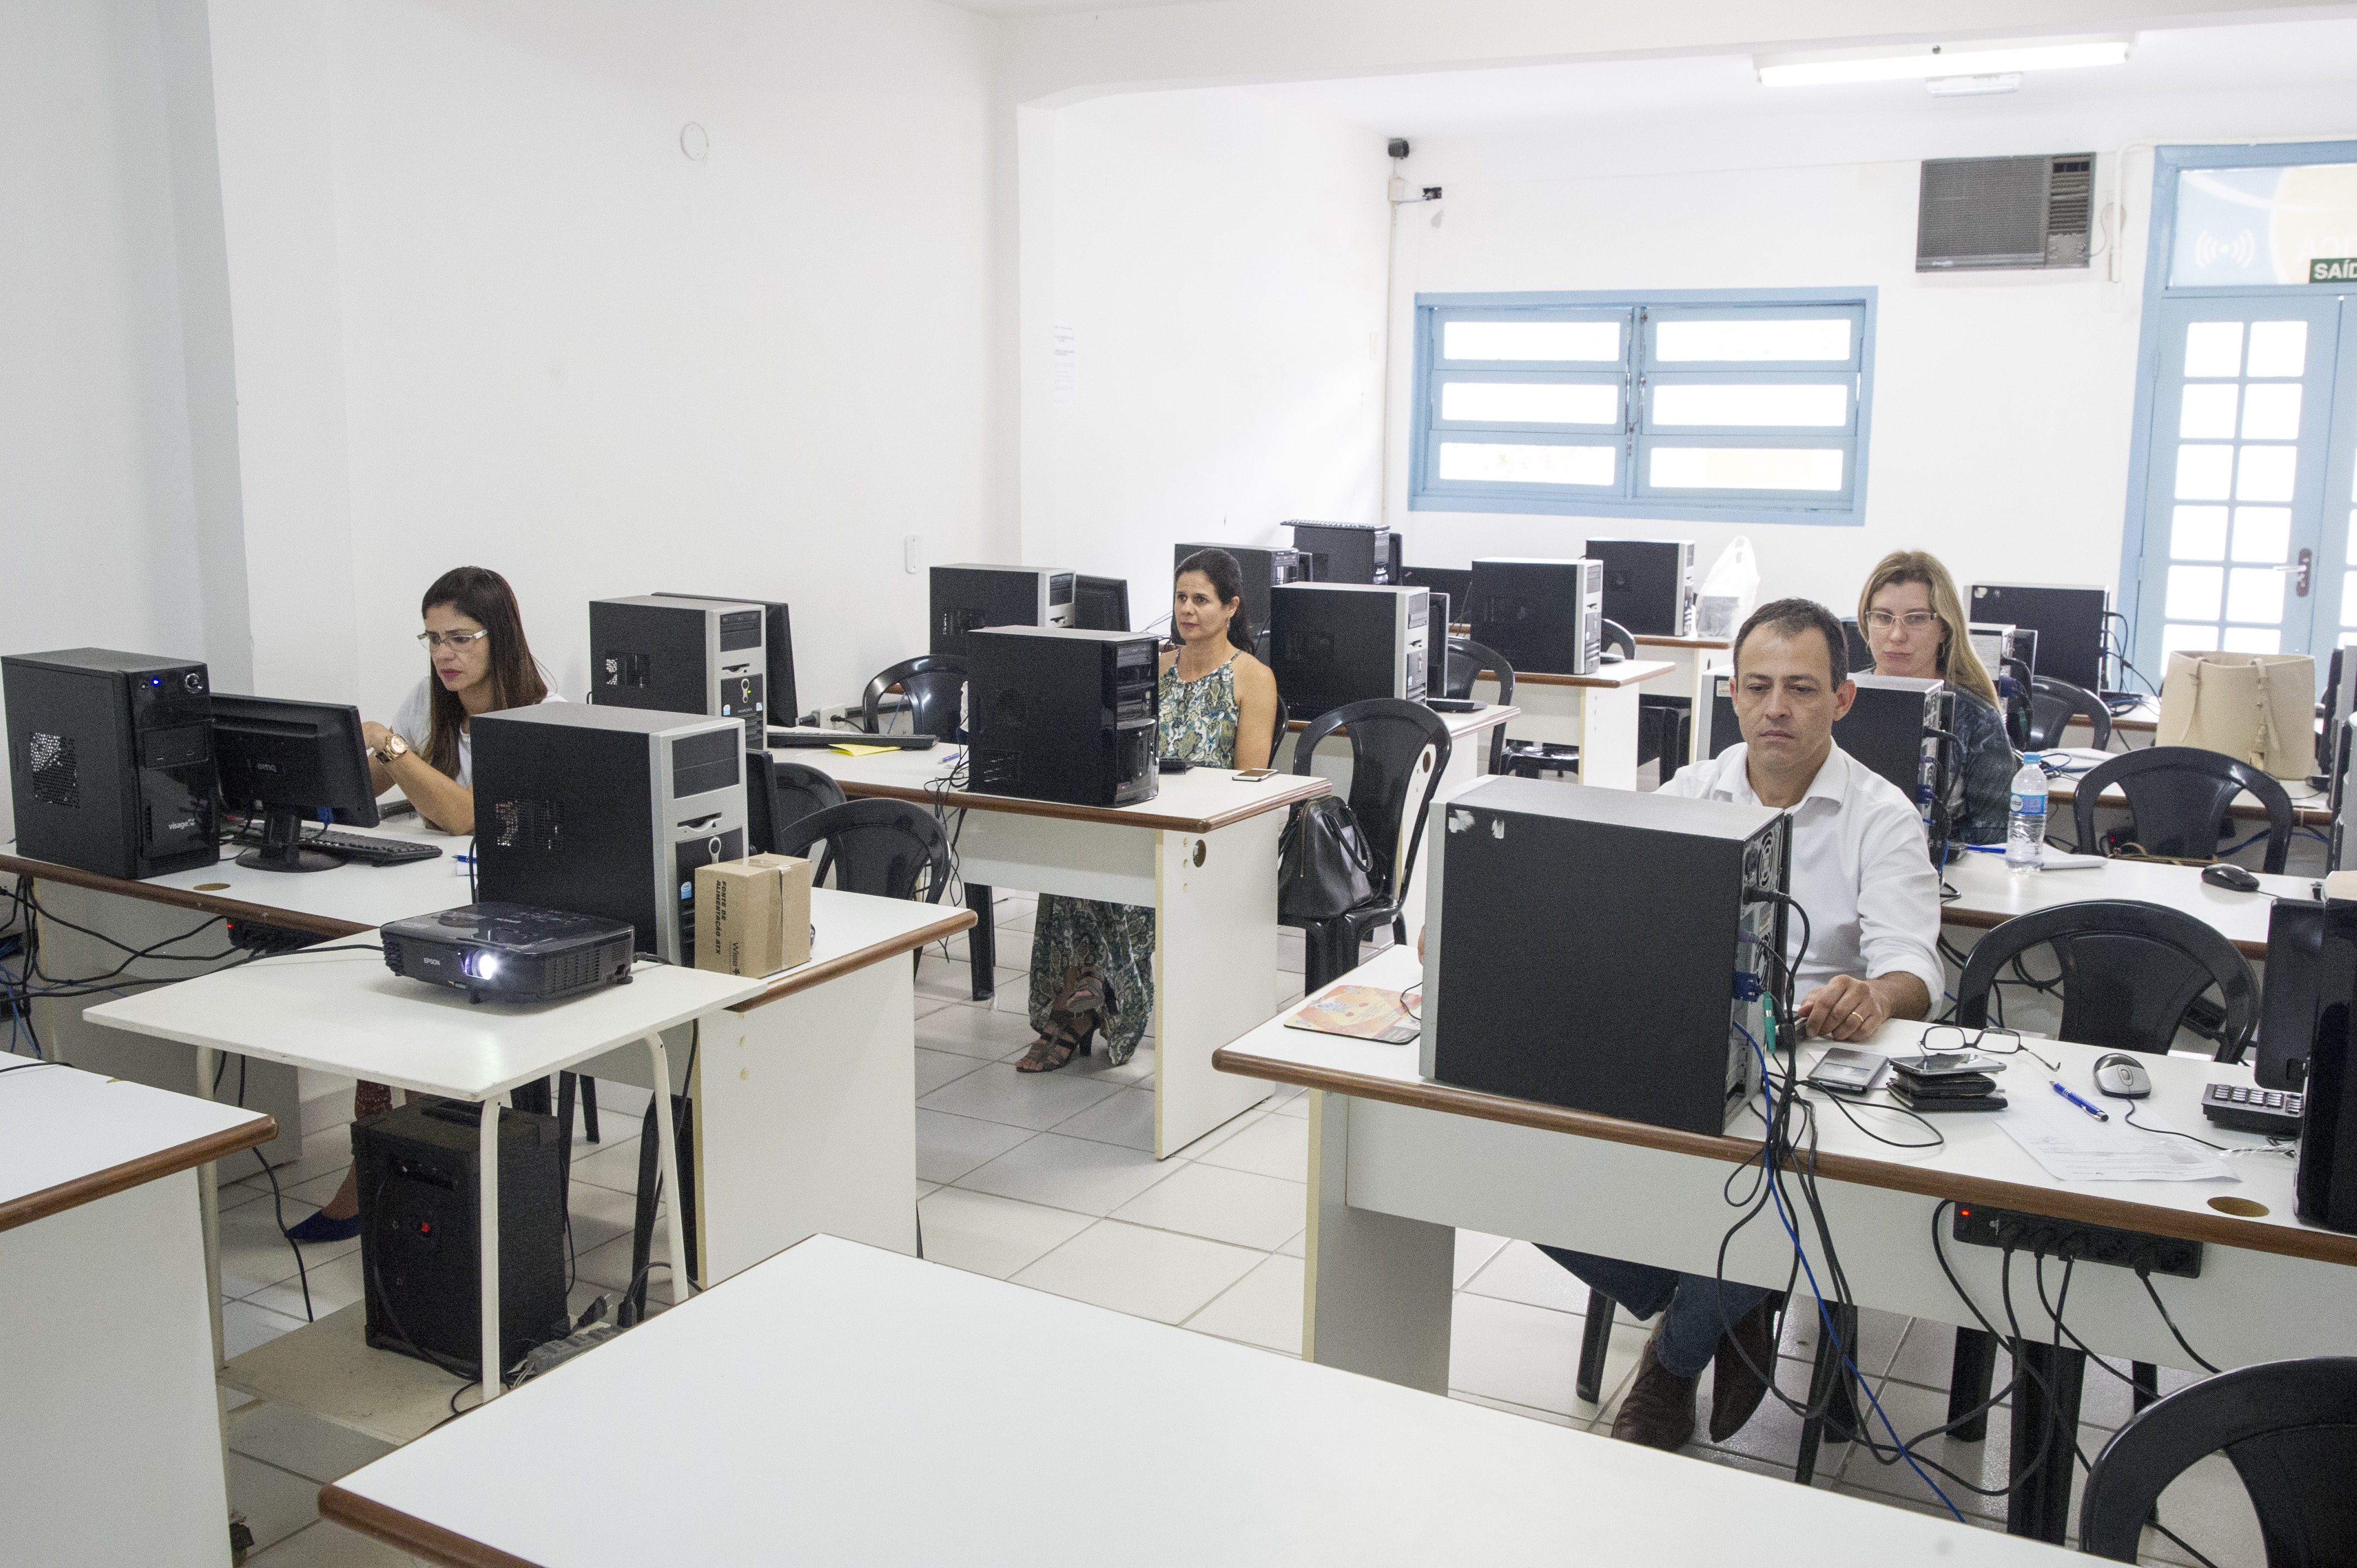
(2258, 708)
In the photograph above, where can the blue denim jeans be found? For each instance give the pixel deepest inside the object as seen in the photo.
(1699, 1311)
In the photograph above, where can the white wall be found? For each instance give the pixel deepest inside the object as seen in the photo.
(2003, 403)
(97, 540)
(490, 312)
(1220, 261)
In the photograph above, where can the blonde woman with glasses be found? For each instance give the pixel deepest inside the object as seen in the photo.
(1914, 623)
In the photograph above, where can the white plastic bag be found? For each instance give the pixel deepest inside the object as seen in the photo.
(1729, 592)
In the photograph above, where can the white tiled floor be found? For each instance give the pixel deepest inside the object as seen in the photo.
(1049, 1181)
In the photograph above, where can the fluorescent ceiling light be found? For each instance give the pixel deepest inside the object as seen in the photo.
(1925, 61)
(1973, 86)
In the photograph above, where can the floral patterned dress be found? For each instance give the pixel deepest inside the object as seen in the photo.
(1198, 721)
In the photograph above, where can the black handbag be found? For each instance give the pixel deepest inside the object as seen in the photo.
(1324, 866)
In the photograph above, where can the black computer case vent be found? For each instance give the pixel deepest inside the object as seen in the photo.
(1978, 214)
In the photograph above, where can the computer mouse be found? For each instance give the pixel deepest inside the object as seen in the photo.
(2123, 1077)
(1176, 764)
(2234, 877)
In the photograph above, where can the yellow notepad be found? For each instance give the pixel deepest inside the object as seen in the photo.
(851, 749)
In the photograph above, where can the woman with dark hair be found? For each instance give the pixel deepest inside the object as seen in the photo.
(1093, 964)
(477, 663)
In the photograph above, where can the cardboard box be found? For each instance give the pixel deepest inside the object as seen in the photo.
(752, 916)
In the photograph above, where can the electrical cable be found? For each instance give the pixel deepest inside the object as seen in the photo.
(2144, 1274)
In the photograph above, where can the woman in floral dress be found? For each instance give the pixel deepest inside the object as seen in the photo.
(1091, 962)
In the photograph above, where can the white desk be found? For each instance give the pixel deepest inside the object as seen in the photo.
(1692, 660)
(343, 1012)
(1201, 855)
(111, 1443)
(804, 1390)
(2309, 807)
(1598, 712)
(1989, 894)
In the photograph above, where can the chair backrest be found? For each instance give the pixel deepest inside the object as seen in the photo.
(2054, 704)
(933, 693)
(2130, 970)
(1398, 750)
(891, 849)
(2289, 1428)
(1618, 640)
(2177, 798)
(1466, 661)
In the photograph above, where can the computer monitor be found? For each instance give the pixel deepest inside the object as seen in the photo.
(294, 760)
(2069, 624)
(2290, 999)
(1100, 604)
(1861, 652)
(1457, 584)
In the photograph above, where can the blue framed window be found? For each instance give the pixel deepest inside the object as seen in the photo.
(1739, 407)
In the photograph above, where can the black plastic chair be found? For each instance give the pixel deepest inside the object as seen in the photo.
(1394, 745)
(2289, 1428)
(2130, 972)
(779, 794)
(2053, 705)
(2176, 800)
(1466, 660)
(933, 693)
(1618, 640)
(888, 849)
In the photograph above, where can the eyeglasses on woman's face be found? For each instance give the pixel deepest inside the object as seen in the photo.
(1886, 622)
(461, 641)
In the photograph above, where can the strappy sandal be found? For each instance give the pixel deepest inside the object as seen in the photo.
(1071, 1021)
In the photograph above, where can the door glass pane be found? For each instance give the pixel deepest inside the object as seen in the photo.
(1810, 337)
(1747, 468)
(2204, 473)
(2175, 636)
(2209, 414)
(2253, 640)
(2270, 412)
(1532, 465)
(2213, 348)
(2255, 593)
(1533, 340)
(2266, 473)
(2194, 592)
(2197, 533)
(1823, 404)
(1532, 403)
(2262, 533)
(2278, 348)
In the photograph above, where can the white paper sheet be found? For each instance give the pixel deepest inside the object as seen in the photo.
(2075, 1146)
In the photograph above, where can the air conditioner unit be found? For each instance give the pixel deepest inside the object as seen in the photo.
(1983, 213)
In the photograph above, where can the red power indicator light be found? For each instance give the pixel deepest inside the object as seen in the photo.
(425, 1227)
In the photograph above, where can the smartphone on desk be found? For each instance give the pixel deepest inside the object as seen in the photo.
(1254, 775)
(1848, 1071)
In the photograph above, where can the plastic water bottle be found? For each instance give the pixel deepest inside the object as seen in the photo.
(2024, 820)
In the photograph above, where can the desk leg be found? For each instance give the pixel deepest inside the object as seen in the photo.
(2046, 1392)
(1214, 971)
(486, 1251)
(1377, 1295)
(209, 1214)
(667, 1168)
(982, 942)
(1608, 737)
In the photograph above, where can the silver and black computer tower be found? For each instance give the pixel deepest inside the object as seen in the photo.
(1540, 997)
(1364, 553)
(1649, 584)
(969, 596)
(1545, 617)
(1335, 643)
(679, 655)
(1896, 726)
(608, 811)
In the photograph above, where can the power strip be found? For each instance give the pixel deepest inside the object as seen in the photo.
(2045, 1236)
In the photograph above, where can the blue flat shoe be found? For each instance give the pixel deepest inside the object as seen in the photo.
(320, 1228)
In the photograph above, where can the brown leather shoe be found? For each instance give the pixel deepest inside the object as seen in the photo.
(1658, 1410)
(1736, 1388)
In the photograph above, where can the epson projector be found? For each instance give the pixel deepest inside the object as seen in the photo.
(511, 952)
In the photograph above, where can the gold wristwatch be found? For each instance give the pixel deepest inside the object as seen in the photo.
(394, 749)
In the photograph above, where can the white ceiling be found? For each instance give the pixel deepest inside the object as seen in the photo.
(1722, 87)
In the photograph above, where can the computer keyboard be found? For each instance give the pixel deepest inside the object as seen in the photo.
(819, 740)
(369, 850)
(2249, 1110)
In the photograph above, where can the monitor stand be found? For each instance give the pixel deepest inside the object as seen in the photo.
(282, 832)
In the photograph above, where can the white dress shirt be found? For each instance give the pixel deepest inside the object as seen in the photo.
(1860, 867)
(414, 722)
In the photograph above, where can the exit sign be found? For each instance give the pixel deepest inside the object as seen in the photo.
(2340, 269)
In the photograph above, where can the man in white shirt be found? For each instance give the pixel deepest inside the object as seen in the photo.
(1862, 871)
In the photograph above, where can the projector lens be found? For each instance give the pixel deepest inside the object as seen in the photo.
(483, 965)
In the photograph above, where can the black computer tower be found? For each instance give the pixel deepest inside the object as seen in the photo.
(111, 761)
(1545, 618)
(1602, 950)
(779, 703)
(2324, 1184)
(1649, 584)
(419, 1167)
(1062, 715)
(1893, 727)
(1722, 731)
(1263, 569)
(2071, 624)
(1347, 553)
(1335, 643)
(1860, 651)
(1436, 653)
(683, 656)
(607, 811)
(970, 594)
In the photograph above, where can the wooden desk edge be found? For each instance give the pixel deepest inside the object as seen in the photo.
(1601, 682)
(1492, 714)
(954, 920)
(1974, 920)
(2059, 1203)
(1715, 644)
(1301, 787)
(89, 1189)
(410, 1533)
(203, 903)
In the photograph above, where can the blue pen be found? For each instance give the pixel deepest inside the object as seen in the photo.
(2099, 1114)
